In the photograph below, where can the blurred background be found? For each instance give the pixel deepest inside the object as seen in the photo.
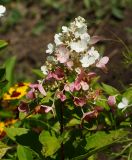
(29, 25)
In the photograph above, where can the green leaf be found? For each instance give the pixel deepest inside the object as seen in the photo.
(118, 13)
(65, 137)
(9, 65)
(38, 72)
(128, 29)
(128, 94)
(3, 84)
(94, 83)
(73, 122)
(103, 103)
(2, 73)
(22, 115)
(53, 3)
(98, 2)
(31, 140)
(109, 89)
(6, 114)
(3, 2)
(3, 44)
(3, 149)
(24, 153)
(14, 132)
(100, 141)
(40, 123)
(3, 81)
(50, 143)
(47, 98)
(14, 17)
(38, 29)
(102, 138)
(87, 3)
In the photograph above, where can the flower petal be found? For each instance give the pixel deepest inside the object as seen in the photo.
(84, 85)
(121, 105)
(47, 108)
(2, 10)
(61, 96)
(79, 101)
(41, 89)
(125, 101)
(111, 100)
(31, 94)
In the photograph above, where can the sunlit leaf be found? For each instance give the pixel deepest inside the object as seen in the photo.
(100, 141)
(73, 122)
(128, 94)
(3, 149)
(38, 72)
(24, 153)
(3, 44)
(47, 98)
(103, 103)
(109, 89)
(9, 65)
(50, 143)
(13, 132)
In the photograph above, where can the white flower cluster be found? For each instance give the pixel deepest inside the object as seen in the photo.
(90, 57)
(72, 46)
(76, 36)
(2, 10)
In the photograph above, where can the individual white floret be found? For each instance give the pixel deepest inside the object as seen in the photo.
(89, 58)
(80, 31)
(44, 70)
(79, 46)
(78, 26)
(80, 22)
(65, 29)
(94, 53)
(123, 103)
(52, 59)
(57, 39)
(2, 10)
(50, 48)
(78, 70)
(85, 37)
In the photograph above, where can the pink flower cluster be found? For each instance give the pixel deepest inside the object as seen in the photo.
(67, 70)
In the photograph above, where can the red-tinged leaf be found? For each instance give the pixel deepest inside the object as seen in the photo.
(96, 39)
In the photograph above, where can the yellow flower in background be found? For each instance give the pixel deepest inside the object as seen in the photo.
(6, 124)
(2, 132)
(2, 125)
(10, 122)
(16, 92)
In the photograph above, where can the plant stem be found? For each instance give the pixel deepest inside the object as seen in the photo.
(61, 129)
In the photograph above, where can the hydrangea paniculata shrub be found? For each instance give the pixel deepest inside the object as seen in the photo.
(66, 113)
(68, 69)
